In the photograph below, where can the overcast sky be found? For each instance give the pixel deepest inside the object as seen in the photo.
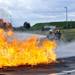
(34, 11)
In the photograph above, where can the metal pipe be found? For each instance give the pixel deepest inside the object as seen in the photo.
(66, 24)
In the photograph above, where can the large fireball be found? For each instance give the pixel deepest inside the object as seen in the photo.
(24, 52)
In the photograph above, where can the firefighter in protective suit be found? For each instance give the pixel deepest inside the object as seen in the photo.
(50, 34)
(58, 34)
(51, 31)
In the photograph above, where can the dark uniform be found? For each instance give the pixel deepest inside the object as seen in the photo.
(58, 34)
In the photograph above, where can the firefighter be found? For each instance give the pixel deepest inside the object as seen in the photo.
(50, 34)
(58, 34)
(51, 31)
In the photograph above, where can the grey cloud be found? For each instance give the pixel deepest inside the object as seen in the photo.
(5, 14)
(35, 11)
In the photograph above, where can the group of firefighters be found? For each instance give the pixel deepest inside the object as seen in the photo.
(57, 33)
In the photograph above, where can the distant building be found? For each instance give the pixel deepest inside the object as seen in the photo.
(49, 27)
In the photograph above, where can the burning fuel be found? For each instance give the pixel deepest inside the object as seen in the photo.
(24, 52)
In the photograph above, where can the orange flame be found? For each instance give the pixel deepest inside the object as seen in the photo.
(25, 52)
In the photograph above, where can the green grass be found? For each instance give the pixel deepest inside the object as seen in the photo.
(59, 25)
(70, 34)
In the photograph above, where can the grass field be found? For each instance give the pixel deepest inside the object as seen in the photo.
(60, 25)
(69, 30)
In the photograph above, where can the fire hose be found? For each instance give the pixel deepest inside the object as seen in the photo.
(63, 38)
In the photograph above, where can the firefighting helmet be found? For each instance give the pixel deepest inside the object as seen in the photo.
(57, 30)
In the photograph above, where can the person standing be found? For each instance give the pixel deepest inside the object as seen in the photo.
(51, 31)
(58, 34)
(50, 34)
